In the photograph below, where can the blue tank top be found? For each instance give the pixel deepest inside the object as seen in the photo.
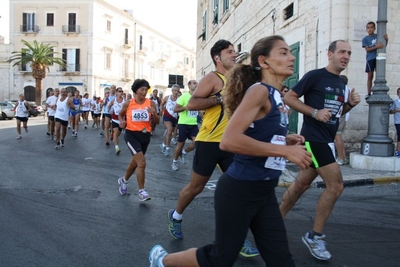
(272, 129)
(77, 105)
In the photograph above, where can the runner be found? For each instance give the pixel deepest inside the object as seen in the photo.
(169, 118)
(187, 125)
(86, 101)
(115, 107)
(63, 107)
(135, 117)
(76, 113)
(21, 110)
(51, 109)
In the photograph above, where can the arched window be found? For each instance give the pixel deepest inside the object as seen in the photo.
(29, 93)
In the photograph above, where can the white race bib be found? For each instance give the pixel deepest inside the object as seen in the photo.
(192, 113)
(276, 163)
(140, 115)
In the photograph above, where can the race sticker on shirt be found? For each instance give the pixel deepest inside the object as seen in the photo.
(276, 163)
(140, 115)
(192, 113)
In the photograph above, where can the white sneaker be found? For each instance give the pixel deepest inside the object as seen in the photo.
(174, 165)
(163, 148)
(166, 152)
(317, 246)
(143, 196)
(173, 141)
(156, 255)
(183, 158)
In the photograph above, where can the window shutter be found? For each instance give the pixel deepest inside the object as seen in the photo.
(77, 61)
(64, 56)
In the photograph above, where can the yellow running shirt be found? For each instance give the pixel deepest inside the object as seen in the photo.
(214, 120)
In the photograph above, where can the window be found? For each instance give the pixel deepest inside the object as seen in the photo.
(192, 64)
(126, 69)
(126, 39)
(140, 42)
(50, 19)
(26, 66)
(215, 19)
(72, 58)
(109, 25)
(239, 48)
(152, 72)
(225, 6)
(71, 22)
(204, 29)
(28, 22)
(108, 60)
(186, 60)
(288, 11)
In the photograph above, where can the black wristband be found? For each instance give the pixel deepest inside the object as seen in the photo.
(350, 105)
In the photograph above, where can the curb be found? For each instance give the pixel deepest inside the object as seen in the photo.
(352, 183)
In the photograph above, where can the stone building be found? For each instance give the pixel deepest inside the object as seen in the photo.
(102, 45)
(308, 26)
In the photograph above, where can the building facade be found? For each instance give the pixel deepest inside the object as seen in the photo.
(308, 26)
(102, 45)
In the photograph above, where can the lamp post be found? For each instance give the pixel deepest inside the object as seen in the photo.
(377, 141)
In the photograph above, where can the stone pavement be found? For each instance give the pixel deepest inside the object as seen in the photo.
(351, 176)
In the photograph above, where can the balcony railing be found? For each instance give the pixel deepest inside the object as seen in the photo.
(71, 68)
(71, 28)
(127, 43)
(29, 28)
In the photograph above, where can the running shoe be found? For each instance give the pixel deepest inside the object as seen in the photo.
(58, 146)
(174, 165)
(69, 127)
(163, 148)
(143, 196)
(107, 144)
(73, 133)
(48, 133)
(62, 142)
(317, 246)
(248, 251)
(174, 226)
(102, 133)
(173, 141)
(85, 126)
(156, 255)
(93, 125)
(339, 161)
(346, 161)
(123, 186)
(183, 158)
(117, 150)
(19, 137)
(52, 137)
(26, 129)
(76, 135)
(166, 152)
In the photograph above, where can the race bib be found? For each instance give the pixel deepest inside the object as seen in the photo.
(77, 107)
(276, 163)
(192, 113)
(140, 115)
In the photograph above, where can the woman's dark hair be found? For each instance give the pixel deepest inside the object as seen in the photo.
(138, 83)
(241, 77)
(218, 47)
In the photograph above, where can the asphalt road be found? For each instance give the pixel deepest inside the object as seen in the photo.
(62, 208)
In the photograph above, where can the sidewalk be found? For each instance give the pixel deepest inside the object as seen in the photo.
(351, 177)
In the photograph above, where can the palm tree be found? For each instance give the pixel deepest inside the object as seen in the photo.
(41, 57)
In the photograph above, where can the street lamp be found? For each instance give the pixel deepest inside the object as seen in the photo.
(377, 142)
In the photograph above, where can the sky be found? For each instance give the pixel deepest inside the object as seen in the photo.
(174, 18)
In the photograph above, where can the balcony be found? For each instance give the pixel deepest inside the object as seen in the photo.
(71, 29)
(71, 68)
(127, 43)
(142, 51)
(29, 28)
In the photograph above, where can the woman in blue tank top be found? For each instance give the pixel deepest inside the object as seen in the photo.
(245, 195)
